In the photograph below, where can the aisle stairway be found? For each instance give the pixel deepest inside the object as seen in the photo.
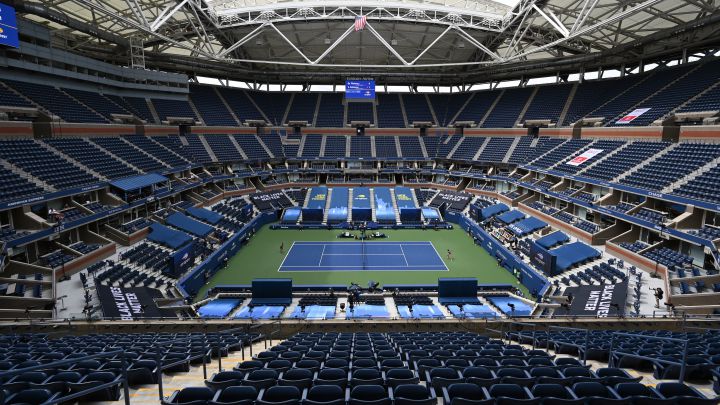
(307, 198)
(395, 206)
(350, 204)
(328, 198)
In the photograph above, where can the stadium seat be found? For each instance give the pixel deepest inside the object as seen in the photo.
(94, 379)
(369, 395)
(683, 394)
(190, 396)
(57, 383)
(465, 394)
(366, 376)
(414, 394)
(248, 366)
(555, 394)
(398, 376)
(225, 379)
(263, 378)
(511, 394)
(596, 393)
(640, 394)
(296, 377)
(235, 395)
(31, 397)
(325, 395)
(279, 395)
(332, 376)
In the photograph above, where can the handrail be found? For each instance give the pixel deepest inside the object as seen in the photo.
(520, 332)
(682, 363)
(584, 347)
(160, 367)
(240, 329)
(123, 378)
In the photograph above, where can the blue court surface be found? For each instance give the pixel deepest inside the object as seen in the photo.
(355, 256)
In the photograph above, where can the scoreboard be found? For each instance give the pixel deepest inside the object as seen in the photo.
(360, 89)
(8, 26)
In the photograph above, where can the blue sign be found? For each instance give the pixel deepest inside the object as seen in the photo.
(8, 26)
(542, 259)
(360, 89)
(183, 260)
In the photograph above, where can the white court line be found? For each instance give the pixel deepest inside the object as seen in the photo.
(440, 257)
(383, 266)
(366, 254)
(322, 254)
(286, 256)
(403, 255)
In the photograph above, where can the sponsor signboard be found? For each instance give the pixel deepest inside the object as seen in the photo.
(584, 157)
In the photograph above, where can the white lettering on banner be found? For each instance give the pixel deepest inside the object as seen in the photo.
(453, 197)
(632, 115)
(127, 304)
(268, 196)
(584, 157)
(600, 301)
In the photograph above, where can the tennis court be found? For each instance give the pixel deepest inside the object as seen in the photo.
(358, 256)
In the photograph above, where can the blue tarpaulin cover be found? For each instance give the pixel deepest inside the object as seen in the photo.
(189, 225)
(553, 239)
(318, 196)
(572, 254)
(511, 216)
(384, 211)
(291, 215)
(138, 182)
(430, 213)
(492, 210)
(404, 198)
(208, 216)
(338, 211)
(527, 226)
(168, 237)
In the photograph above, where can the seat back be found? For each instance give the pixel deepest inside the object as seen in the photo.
(281, 393)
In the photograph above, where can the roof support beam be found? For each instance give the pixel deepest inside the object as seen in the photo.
(553, 20)
(292, 45)
(610, 20)
(165, 15)
(427, 48)
(334, 44)
(477, 44)
(584, 14)
(388, 46)
(252, 34)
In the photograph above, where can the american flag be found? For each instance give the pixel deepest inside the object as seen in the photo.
(360, 23)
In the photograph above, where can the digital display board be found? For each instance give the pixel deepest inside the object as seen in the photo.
(360, 89)
(8, 26)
